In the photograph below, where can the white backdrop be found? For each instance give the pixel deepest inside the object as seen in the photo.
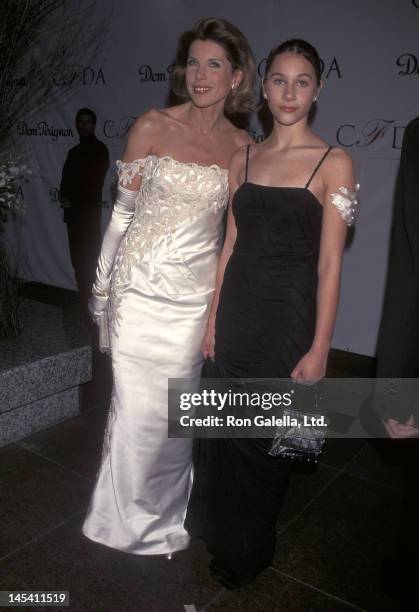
(370, 50)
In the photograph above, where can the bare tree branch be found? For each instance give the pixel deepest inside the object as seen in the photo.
(43, 43)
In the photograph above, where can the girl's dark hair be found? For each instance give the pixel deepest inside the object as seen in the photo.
(300, 47)
(242, 98)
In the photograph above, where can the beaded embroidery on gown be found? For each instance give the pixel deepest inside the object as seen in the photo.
(160, 291)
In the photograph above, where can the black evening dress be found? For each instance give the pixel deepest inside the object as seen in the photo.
(265, 323)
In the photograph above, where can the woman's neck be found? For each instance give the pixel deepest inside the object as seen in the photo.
(289, 136)
(206, 120)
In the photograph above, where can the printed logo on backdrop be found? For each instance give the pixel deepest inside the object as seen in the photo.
(366, 135)
(79, 75)
(54, 194)
(147, 74)
(45, 130)
(329, 69)
(415, 3)
(14, 81)
(118, 128)
(19, 193)
(408, 63)
(257, 136)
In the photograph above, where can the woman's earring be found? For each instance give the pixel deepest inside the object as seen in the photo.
(233, 85)
(315, 99)
(265, 96)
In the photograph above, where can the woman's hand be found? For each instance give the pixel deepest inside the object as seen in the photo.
(207, 346)
(310, 368)
(398, 430)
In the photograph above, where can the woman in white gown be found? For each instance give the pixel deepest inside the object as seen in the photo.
(154, 284)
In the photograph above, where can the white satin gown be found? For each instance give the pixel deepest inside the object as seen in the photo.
(161, 288)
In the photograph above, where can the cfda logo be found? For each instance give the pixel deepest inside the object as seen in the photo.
(19, 193)
(11, 80)
(118, 128)
(328, 69)
(350, 135)
(79, 75)
(54, 194)
(147, 74)
(408, 63)
(415, 3)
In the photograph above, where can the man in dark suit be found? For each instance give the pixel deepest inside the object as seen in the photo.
(398, 343)
(394, 411)
(82, 181)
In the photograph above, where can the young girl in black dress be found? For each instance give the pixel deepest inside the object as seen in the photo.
(274, 307)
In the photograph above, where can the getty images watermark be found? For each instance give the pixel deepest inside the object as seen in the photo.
(231, 401)
(255, 408)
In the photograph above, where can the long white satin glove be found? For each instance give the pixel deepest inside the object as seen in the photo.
(97, 305)
(122, 214)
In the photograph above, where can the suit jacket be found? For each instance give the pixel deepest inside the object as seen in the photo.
(398, 342)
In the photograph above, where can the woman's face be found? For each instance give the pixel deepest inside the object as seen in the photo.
(209, 74)
(290, 88)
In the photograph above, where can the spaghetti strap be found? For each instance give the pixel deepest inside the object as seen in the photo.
(247, 162)
(317, 167)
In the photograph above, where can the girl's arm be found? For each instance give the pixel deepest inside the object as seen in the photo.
(235, 172)
(339, 173)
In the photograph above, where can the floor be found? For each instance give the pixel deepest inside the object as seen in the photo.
(334, 532)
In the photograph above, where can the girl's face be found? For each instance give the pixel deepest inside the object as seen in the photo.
(290, 88)
(209, 75)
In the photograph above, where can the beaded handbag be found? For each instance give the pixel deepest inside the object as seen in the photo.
(302, 435)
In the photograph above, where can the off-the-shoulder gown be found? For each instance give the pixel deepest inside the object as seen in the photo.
(161, 288)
